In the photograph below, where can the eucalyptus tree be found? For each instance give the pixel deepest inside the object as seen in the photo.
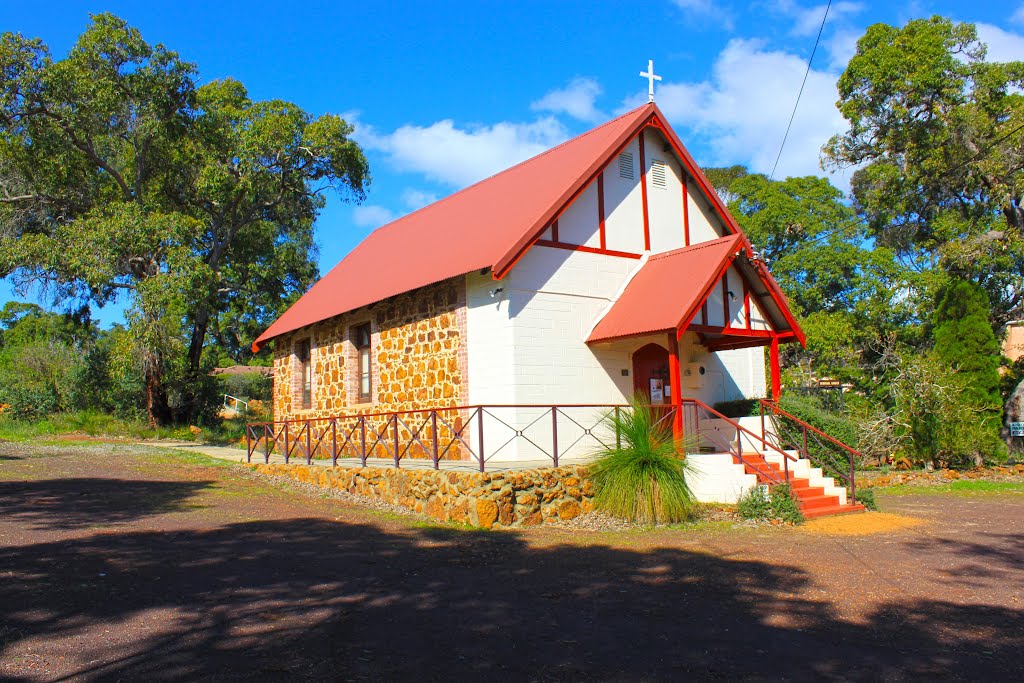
(121, 175)
(936, 135)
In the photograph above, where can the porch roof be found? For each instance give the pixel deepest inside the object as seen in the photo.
(669, 289)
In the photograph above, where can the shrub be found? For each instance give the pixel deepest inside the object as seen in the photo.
(741, 408)
(866, 497)
(644, 479)
(810, 410)
(779, 504)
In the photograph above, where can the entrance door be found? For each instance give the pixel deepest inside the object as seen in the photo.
(650, 374)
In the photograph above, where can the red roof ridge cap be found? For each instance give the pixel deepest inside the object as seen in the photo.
(510, 168)
(735, 237)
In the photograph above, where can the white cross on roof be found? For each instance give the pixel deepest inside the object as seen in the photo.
(649, 75)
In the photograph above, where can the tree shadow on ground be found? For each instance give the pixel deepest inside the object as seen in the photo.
(313, 599)
(85, 502)
(1000, 557)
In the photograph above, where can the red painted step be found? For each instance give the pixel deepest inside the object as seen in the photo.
(834, 510)
(812, 500)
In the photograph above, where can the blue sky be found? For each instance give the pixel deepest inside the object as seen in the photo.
(444, 94)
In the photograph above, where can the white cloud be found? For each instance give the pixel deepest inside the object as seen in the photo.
(460, 156)
(706, 10)
(841, 47)
(741, 111)
(1018, 16)
(417, 199)
(1003, 46)
(372, 216)
(807, 20)
(576, 99)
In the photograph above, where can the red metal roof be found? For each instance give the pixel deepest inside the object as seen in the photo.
(488, 225)
(667, 290)
(472, 229)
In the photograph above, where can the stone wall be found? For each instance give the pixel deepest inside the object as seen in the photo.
(492, 499)
(419, 357)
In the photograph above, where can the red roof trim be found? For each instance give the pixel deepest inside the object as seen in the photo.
(509, 260)
(636, 289)
(353, 282)
(730, 222)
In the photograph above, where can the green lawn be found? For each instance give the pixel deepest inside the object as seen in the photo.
(964, 487)
(102, 425)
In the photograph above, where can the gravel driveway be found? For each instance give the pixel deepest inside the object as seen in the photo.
(127, 563)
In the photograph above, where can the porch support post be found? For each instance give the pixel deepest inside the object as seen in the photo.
(674, 383)
(776, 368)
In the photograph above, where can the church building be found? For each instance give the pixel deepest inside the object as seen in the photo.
(493, 324)
(605, 266)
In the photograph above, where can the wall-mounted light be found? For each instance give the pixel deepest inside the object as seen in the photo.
(497, 291)
(732, 296)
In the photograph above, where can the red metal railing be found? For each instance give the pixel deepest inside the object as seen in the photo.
(484, 434)
(821, 449)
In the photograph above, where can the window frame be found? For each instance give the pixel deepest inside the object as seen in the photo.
(305, 372)
(363, 368)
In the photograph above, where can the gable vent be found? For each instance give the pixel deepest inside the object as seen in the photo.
(659, 173)
(626, 166)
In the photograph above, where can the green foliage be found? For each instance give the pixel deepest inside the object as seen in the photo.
(810, 410)
(930, 416)
(119, 175)
(965, 341)
(935, 133)
(644, 480)
(779, 503)
(105, 425)
(847, 291)
(41, 358)
(866, 497)
(740, 408)
(247, 386)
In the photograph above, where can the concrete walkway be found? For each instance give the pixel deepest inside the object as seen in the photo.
(238, 455)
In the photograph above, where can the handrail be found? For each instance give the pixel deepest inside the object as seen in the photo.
(546, 406)
(775, 410)
(738, 453)
(236, 400)
(359, 434)
(738, 426)
(774, 407)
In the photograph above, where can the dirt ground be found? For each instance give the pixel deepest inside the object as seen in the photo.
(125, 563)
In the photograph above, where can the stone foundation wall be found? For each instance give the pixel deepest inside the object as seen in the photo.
(492, 499)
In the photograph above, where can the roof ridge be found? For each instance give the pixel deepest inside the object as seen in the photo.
(695, 247)
(507, 170)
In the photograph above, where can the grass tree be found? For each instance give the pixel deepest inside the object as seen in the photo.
(643, 477)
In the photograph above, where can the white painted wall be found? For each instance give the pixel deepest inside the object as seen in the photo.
(665, 204)
(705, 225)
(623, 205)
(527, 342)
(728, 375)
(578, 224)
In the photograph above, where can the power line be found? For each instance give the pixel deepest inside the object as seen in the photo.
(799, 94)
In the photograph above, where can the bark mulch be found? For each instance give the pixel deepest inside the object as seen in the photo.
(127, 563)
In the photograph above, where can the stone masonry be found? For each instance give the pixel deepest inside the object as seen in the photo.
(493, 499)
(418, 350)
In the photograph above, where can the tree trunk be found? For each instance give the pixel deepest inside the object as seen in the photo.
(158, 411)
(195, 347)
